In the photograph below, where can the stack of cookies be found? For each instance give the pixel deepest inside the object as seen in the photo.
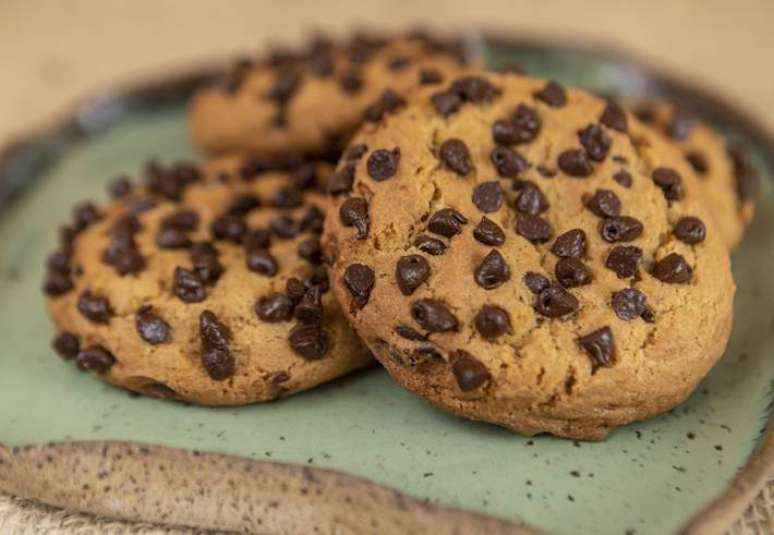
(510, 249)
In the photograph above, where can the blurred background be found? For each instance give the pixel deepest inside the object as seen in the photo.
(55, 53)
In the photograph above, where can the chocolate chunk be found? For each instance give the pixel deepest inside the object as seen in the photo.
(534, 228)
(410, 272)
(507, 162)
(600, 348)
(409, 334)
(67, 345)
(94, 308)
(624, 178)
(351, 82)
(571, 272)
(354, 213)
(430, 77)
(673, 269)
(187, 286)
(629, 304)
(432, 246)
(382, 164)
(356, 151)
(621, 228)
(95, 358)
(521, 127)
(493, 271)
(552, 94)
(492, 321)
(57, 283)
(206, 265)
(152, 328)
(614, 117)
(555, 302)
(697, 161)
(446, 222)
(575, 162)
(309, 310)
(530, 199)
(604, 203)
(680, 125)
(120, 187)
(228, 227)
(262, 262)
(455, 155)
(216, 355)
(311, 251)
(341, 181)
(359, 280)
(274, 307)
(433, 316)
(388, 102)
(488, 196)
(446, 103)
(310, 341)
(595, 140)
(624, 260)
(312, 221)
(489, 233)
(690, 230)
(571, 244)
(669, 181)
(535, 282)
(285, 227)
(468, 371)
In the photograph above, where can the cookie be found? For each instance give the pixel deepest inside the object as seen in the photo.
(728, 178)
(205, 285)
(312, 100)
(529, 255)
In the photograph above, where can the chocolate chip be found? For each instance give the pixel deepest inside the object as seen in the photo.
(673, 269)
(57, 283)
(535, 282)
(410, 272)
(317, 277)
(600, 348)
(533, 228)
(488, 196)
(59, 262)
(492, 321)
(645, 112)
(433, 316)
(355, 152)
(67, 345)
(274, 307)
(604, 203)
(262, 262)
(629, 304)
(172, 238)
(571, 272)
(285, 227)
(745, 174)
(284, 87)
(95, 308)
(669, 181)
(119, 187)
(571, 244)
(321, 64)
(84, 215)
(492, 272)
(309, 309)
(468, 371)
(170, 182)
(521, 127)
(206, 265)
(624, 260)
(530, 199)
(311, 251)
(680, 125)
(286, 197)
(187, 286)
(310, 341)
(614, 117)
(388, 102)
(409, 334)
(95, 358)
(546, 172)
(474, 89)
(295, 289)
(351, 82)
(152, 328)
(690, 230)
(446, 102)
(382, 164)
(552, 94)
(216, 355)
(341, 181)
(354, 213)
(455, 155)
(430, 77)
(595, 140)
(242, 204)
(697, 161)
(621, 228)
(624, 178)
(359, 280)
(432, 246)
(575, 162)
(312, 221)
(555, 302)
(446, 222)
(488, 232)
(122, 252)
(507, 162)
(228, 227)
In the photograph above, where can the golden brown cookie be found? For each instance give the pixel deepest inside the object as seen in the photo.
(206, 285)
(525, 254)
(726, 174)
(311, 101)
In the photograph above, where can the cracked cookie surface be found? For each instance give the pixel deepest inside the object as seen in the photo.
(204, 285)
(529, 255)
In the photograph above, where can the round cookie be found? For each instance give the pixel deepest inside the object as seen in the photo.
(728, 178)
(531, 256)
(206, 286)
(311, 101)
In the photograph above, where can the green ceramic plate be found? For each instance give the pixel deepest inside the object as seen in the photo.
(650, 477)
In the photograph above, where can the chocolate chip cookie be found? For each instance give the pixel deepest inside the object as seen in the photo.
(311, 100)
(204, 285)
(529, 255)
(725, 172)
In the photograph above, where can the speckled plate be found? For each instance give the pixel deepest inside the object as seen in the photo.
(360, 454)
